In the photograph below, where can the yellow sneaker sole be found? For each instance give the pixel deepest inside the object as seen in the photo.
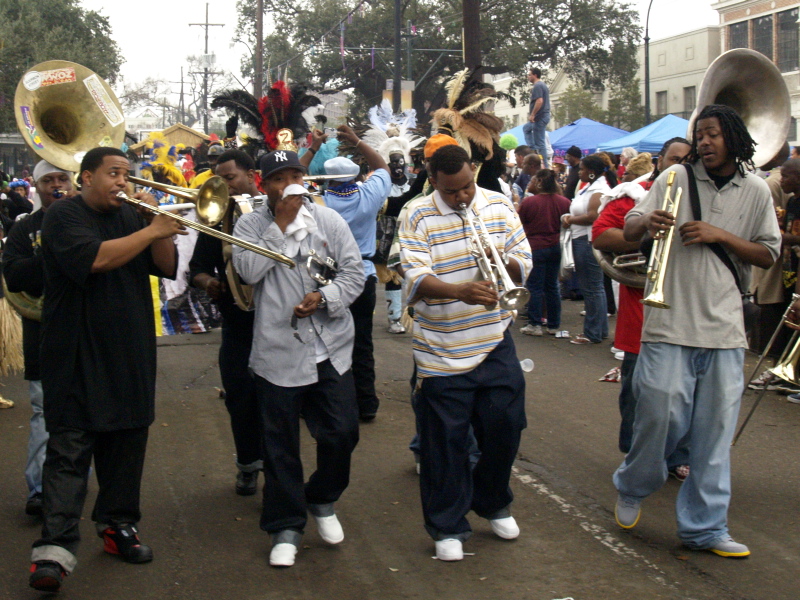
(730, 554)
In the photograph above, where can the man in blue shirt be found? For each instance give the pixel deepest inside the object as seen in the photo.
(539, 115)
(359, 204)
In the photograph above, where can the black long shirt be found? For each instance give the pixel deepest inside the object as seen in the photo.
(98, 348)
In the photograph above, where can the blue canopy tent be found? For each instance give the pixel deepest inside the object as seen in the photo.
(649, 138)
(583, 133)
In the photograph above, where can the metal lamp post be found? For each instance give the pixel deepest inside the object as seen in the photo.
(647, 66)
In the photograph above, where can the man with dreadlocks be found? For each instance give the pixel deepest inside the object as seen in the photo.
(688, 378)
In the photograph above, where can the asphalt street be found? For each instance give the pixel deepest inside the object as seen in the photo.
(207, 543)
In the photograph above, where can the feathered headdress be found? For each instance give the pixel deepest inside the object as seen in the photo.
(281, 108)
(465, 116)
(161, 159)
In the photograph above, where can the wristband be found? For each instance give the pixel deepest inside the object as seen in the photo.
(312, 151)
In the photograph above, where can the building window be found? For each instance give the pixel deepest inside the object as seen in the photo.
(689, 99)
(661, 103)
(514, 120)
(737, 34)
(762, 35)
(788, 42)
(792, 135)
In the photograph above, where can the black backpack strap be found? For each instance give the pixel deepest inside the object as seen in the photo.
(716, 248)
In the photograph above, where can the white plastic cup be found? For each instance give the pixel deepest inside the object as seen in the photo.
(526, 364)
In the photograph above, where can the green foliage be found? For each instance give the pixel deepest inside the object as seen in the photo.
(594, 40)
(625, 108)
(33, 31)
(575, 103)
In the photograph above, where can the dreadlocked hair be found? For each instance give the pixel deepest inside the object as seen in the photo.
(737, 139)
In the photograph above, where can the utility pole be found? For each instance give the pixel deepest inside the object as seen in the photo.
(181, 102)
(408, 51)
(398, 53)
(206, 25)
(258, 75)
(471, 34)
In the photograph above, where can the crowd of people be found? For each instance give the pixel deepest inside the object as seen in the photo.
(459, 240)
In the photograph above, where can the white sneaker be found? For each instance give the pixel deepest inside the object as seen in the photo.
(395, 327)
(532, 330)
(614, 350)
(506, 528)
(449, 549)
(282, 555)
(330, 529)
(619, 355)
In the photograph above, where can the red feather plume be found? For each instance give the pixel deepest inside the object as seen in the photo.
(274, 109)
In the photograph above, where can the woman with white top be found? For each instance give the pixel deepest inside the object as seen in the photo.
(599, 178)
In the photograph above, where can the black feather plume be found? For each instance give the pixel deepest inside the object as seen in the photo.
(240, 103)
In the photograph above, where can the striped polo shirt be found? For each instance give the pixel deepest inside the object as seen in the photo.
(451, 337)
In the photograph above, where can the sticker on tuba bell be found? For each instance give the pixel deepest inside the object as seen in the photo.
(32, 80)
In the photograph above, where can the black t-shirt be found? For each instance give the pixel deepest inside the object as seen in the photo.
(721, 180)
(98, 351)
(23, 269)
(207, 258)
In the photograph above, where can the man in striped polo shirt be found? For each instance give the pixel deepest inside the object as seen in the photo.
(467, 368)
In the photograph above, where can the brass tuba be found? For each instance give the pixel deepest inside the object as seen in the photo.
(627, 269)
(64, 109)
(752, 85)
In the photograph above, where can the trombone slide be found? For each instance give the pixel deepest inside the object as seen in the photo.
(276, 256)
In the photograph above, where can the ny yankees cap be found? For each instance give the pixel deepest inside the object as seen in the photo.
(278, 161)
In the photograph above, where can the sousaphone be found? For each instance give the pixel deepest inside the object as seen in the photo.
(752, 85)
(64, 109)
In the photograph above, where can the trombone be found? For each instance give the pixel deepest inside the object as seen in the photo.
(662, 243)
(787, 366)
(211, 199)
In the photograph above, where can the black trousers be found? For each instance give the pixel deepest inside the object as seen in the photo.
(363, 352)
(331, 414)
(118, 462)
(240, 392)
(491, 398)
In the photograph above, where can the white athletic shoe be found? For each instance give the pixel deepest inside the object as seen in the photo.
(506, 528)
(449, 549)
(282, 555)
(330, 529)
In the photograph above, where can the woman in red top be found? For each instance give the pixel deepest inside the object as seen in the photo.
(541, 217)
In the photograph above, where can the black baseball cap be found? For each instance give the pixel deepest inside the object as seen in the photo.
(278, 161)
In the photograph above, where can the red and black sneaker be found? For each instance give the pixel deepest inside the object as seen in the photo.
(124, 541)
(46, 576)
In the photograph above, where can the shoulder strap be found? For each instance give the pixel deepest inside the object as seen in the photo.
(716, 248)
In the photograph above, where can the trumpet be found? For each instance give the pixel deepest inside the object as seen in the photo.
(321, 270)
(512, 297)
(662, 243)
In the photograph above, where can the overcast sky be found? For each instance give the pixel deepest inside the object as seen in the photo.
(155, 36)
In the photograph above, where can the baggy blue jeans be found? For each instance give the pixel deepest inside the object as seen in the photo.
(590, 279)
(37, 441)
(682, 390)
(534, 137)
